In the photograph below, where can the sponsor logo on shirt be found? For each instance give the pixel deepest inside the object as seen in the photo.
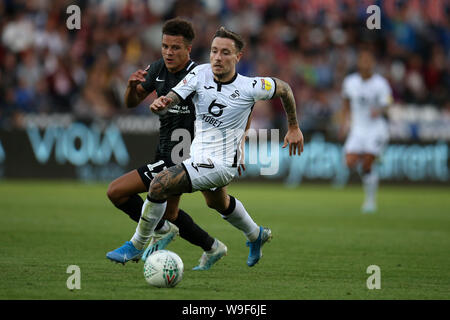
(179, 109)
(211, 120)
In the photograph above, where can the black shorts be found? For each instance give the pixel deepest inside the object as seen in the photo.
(149, 171)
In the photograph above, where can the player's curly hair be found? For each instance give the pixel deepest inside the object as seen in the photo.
(179, 27)
(222, 32)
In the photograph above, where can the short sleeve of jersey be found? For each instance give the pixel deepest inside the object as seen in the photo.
(149, 83)
(385, 97)
(189, 83)
(263, 88)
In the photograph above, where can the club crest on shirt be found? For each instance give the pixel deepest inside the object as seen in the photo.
(235, 95)
(266, 85)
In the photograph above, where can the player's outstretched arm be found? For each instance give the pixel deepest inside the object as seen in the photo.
(135, 93)
(165, 102)
(294, 136)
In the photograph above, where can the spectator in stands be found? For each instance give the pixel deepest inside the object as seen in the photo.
(45, 68)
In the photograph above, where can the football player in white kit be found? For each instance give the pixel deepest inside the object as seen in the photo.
(223, 101)
(366, 97)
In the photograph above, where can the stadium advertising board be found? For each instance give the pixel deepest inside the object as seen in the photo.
(87, 151)
(102, 151)
(324, 160)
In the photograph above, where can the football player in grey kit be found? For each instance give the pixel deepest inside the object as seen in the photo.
(223, 101)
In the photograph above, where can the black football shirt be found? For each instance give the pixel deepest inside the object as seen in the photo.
(181, 116)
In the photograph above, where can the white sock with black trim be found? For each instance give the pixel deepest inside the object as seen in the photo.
(152, 212)
(238, 217)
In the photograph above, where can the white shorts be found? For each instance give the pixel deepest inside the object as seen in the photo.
(371, 142)
(208, 174)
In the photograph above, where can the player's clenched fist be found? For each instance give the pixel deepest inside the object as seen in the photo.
(160, 104)
(137, 77)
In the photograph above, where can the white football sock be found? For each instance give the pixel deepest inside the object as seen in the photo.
(152, 212)
(370, 184)
(241, 220)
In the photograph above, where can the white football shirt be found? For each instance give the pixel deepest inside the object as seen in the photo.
(364, 95)
(222, 110)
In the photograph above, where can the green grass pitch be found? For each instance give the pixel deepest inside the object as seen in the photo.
(321, 248)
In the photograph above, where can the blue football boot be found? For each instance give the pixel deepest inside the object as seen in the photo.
(125, 253)
(265, 235)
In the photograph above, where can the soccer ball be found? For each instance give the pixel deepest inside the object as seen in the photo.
(163, 269)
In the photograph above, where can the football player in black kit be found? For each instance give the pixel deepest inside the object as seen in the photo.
(163, 75)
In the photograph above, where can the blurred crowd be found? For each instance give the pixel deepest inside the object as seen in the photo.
(311, 44)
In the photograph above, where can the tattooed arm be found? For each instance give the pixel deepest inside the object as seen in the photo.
(284, 91)
(162, 103)
(294, 136)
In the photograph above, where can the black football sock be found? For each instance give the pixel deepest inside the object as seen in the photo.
(191, 232)
(132, 207)
(160, 224)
